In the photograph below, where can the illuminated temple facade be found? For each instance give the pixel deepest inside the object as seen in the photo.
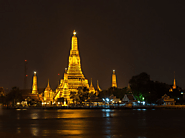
(73, 76)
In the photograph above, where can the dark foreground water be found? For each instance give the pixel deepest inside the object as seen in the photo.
(84, 123)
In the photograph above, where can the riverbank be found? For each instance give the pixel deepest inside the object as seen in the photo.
(100, 107)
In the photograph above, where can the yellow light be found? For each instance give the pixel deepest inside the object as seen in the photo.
(74, 32)
(35, 72)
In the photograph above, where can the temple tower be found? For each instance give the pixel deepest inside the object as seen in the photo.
(91, 88)
(98, 87)
(114, 84)
(73, 76)
(174, 82)
(48, 93)
(34, 86)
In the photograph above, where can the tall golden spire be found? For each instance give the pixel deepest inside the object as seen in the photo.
(75, 76)
(174, 82)
(34, 86)
(114, 84)
(48, 84)
(91, 83)
(91, 88)
(74, 66)
(98, 87)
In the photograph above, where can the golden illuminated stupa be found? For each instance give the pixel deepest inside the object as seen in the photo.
(91, 88)
(73, 76)
(48, 94)
(114, 84)
(34, 86)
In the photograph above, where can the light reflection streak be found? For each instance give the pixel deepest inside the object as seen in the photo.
(70, 114)
(107, 113)
(18, 130)
(69, 132)
(34, 116)
(34, 131)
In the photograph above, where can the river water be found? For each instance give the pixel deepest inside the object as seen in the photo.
(93, 123)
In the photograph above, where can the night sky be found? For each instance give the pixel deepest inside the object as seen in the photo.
(128, 36)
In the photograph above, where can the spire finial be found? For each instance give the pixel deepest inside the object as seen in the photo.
(74, 32)
(35, 72)
(48, 83)
(91, 82)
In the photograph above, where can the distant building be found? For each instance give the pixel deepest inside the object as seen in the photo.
(114, 100)
(129, 98)
(167, 100)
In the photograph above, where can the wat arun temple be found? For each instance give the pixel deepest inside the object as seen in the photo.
(73, 76)
(73, 79)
